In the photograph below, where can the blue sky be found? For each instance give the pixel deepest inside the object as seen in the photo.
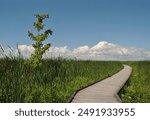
(78, 22)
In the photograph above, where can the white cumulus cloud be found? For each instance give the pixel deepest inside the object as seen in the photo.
(101, 51)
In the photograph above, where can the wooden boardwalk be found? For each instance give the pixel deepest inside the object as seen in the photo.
(104, 91)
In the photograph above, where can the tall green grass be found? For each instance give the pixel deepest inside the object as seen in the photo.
(137, 89)
(55, 81)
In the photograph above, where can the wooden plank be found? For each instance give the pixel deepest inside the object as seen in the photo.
(106, 90)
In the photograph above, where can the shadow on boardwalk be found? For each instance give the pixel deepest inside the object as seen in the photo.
(106, 90)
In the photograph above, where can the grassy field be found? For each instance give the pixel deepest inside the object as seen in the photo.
(55, 81)
(137, 89)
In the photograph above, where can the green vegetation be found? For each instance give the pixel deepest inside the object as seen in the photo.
(137, 89)
(55, 81)
(36, 57)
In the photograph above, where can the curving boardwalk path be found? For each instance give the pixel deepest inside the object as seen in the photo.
(104, 91)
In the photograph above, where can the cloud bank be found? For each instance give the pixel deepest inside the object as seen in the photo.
(101, 51)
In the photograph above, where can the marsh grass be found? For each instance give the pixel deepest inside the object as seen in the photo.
(137, 89)
(55, 81)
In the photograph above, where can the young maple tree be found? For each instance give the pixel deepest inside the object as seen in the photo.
(36, 57)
